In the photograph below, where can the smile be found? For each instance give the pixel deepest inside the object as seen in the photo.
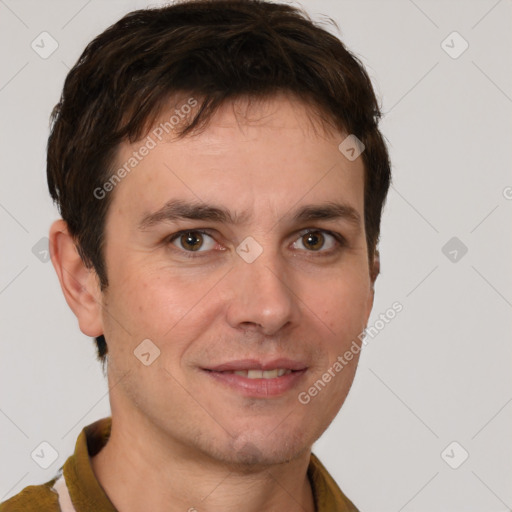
(261, 374)
(258, 380)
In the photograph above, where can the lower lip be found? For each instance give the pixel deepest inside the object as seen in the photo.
(258, 388)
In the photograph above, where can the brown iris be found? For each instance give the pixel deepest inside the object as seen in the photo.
(315, 240)
(192, 240)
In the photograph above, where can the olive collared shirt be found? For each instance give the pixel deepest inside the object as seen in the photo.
(87, 495)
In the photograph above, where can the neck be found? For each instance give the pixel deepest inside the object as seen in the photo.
(140, 475)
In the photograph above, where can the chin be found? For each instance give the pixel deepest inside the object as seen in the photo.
(252, 451)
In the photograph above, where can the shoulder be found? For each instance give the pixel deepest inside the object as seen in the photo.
(328, 496)
(34, 498)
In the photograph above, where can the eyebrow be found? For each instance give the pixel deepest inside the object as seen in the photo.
(177, 209)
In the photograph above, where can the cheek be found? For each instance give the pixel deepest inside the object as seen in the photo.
(161, 306)
(342, 304)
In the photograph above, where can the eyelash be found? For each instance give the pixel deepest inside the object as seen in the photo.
(340, 239)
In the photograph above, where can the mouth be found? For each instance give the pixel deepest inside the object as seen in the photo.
(260, 374)
(257, 379)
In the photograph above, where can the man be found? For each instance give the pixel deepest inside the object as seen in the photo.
(220, 176)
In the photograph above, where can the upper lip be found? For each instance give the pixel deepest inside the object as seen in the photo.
(255, 364)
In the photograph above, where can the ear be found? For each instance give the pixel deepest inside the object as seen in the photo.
(374, 272)
(79, 284)
(375, 267)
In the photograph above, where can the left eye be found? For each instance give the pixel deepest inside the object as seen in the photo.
(192, 241)
(316, 240)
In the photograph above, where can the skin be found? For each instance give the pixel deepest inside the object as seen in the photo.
(197, 442)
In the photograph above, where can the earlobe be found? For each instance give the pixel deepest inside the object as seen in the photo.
(78, 283)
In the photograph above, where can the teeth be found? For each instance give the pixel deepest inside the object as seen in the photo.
(262, 374)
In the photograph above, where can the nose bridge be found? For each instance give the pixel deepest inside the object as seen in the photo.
(260, 293)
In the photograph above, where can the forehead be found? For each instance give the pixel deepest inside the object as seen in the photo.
(268, 153)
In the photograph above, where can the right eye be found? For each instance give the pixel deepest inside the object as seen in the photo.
(192, 241)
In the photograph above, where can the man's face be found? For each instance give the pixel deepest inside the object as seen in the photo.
(211, 302)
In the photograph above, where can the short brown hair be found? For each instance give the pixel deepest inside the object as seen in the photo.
(214, 50)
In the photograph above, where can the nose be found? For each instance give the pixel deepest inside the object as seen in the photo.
(262, 298)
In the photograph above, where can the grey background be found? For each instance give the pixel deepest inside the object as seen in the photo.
(439, 372)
